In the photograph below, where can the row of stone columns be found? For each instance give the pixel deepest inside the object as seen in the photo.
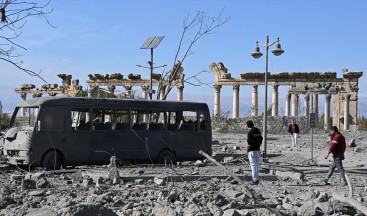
(291, 104)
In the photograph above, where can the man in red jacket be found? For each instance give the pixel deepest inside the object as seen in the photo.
(337, 148)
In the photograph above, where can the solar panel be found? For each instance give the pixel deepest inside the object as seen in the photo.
(152, 42)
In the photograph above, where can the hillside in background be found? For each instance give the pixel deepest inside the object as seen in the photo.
(9, 99)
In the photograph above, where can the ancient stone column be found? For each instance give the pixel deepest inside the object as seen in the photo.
(346, 111)
(255, 105)
(145, 91)
(307, 106)
(23, 110)
(128, 91)
(275, 101)
(162, 92)
(327, 112)
(288, 104)
(217, 100)
(294, 105)
(236, 90)
(316, 106)
(180, 92)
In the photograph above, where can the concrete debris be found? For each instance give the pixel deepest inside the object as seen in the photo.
(236, 148)
(16, 177)
(215, 142)
(113, 173)
(159, 181)
(199, 163)
(358, 149)
(352, 143)
(224, 148)
(112, 162)
(42, 183)
(28, 184)
(231, 212)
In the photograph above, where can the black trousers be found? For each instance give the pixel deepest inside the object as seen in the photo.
(337, 163)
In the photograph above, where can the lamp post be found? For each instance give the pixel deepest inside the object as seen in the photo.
(257, 54)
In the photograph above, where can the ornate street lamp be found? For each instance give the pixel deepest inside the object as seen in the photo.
(257, 54)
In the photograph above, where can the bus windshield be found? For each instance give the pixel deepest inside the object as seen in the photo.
(26, 116)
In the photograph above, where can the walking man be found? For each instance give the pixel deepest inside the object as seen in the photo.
(294, 131)
(337, 148)
(254, 140)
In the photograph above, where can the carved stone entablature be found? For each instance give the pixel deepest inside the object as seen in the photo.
(351, 75)
(116, 76)
(219, 71)
(134, 76)
(156, 76)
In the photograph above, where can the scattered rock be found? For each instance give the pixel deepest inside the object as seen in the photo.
(78, 176)
(159, 181)
(237, 171)
(87, 182)
(42, 183)
(236, 148)
(139, 181)
(16, 177)
(215, 142)
(224, 148)
(307, 209)
(231, 212)
(89, 209)
(199, 163)
(214, 209)
(352, 143)
(28, 184)
(36, 193)
(113, 173)
(112, 162)
(358, 149)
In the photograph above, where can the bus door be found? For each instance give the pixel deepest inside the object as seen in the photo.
(79, 138)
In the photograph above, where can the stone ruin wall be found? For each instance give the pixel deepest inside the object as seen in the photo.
(276, 124)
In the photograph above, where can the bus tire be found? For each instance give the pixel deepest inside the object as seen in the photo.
(51, 161)
(166, 157)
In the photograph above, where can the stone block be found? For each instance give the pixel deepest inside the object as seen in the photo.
(215, 142)
(42, 183)
(199, 163)
(293, 175)
(28, 184)
(113, 173)
(16, 177)
(352, 143)
(159, 181)
(87, 182)
(231, 212)
(358, 149)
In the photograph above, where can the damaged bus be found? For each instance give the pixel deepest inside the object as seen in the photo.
(68, 131)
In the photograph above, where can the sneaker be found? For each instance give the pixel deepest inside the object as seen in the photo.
(254, 183)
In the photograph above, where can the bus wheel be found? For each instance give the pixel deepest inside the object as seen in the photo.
(166, 157)
(51, 161)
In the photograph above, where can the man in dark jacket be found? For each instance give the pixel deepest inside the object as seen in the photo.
(294, 131)
(337, 148)
(254, 140)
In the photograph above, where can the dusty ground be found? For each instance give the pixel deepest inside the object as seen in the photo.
(201, 189)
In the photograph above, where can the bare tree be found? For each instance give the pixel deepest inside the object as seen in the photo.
(14, 15)
(194, 29)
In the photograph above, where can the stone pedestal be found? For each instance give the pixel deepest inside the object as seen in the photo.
(316, 106)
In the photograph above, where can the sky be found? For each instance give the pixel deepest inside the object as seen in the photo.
(105, 37)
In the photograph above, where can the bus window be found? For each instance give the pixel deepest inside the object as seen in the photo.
(202, 122)
(157, 120)
(189, 121)
(102, 119)
(80, 119)
(139, 119)
(52, 119)
(120, 119)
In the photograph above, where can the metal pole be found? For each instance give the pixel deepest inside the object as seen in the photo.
(311, 128)
(151, 74)
(266, 98)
